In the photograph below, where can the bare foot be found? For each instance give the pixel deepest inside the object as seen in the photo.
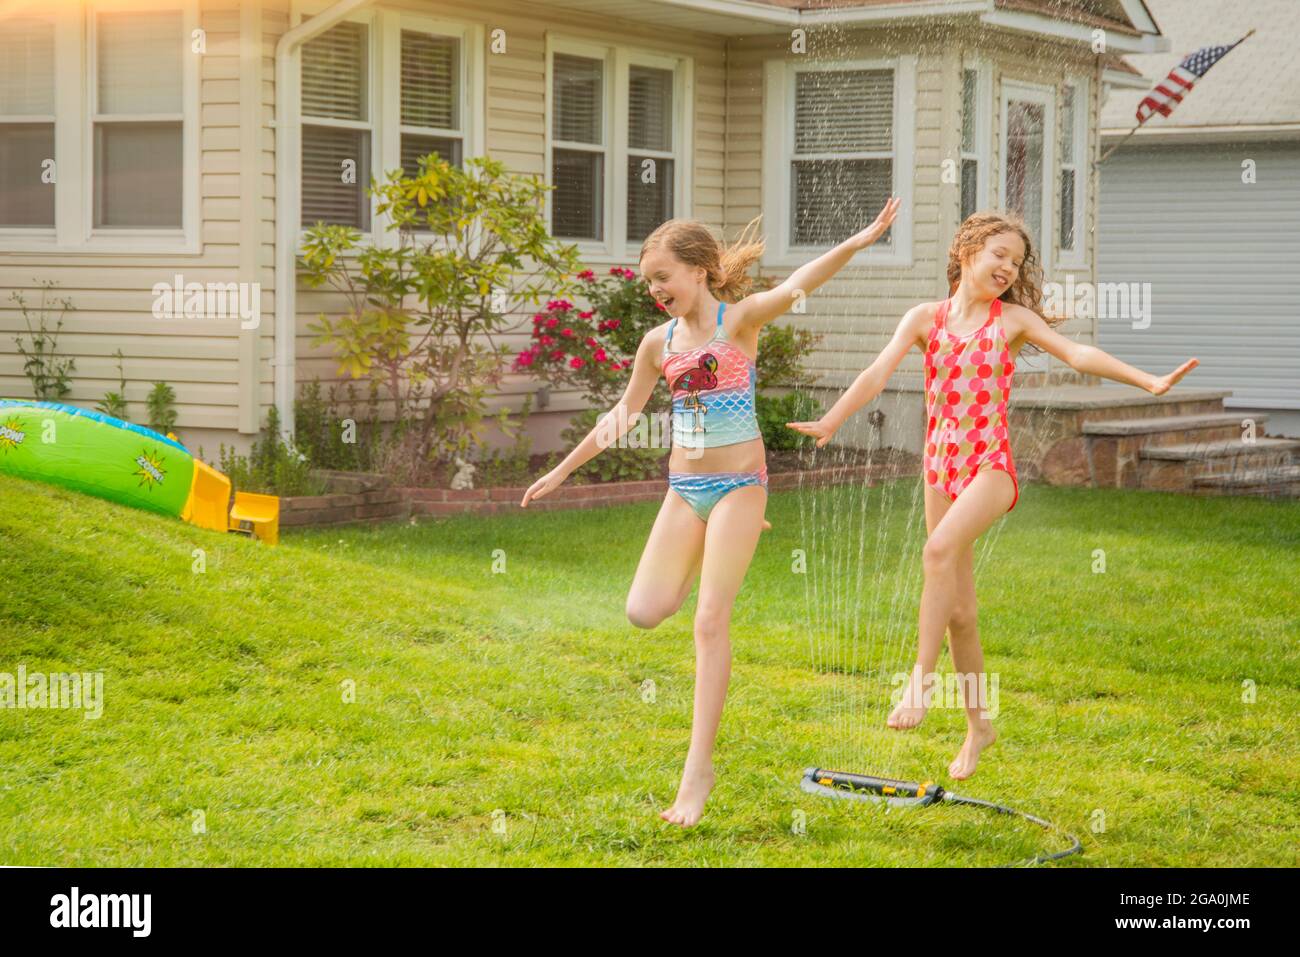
(767, 526)
(691, 795)
(977, 739)
(903, 717)
(910, 709)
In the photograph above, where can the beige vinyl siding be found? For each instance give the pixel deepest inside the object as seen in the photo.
(200, 358)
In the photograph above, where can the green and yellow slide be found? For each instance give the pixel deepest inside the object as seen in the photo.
(99, 455)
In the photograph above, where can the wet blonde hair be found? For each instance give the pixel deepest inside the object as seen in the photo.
(727, 267)
(1027, 290)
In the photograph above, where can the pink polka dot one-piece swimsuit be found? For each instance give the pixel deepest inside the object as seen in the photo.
(967, 388)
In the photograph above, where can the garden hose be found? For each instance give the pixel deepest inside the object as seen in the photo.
(867, 787)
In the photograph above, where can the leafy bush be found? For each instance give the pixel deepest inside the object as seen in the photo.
(775, 411)
(424, 313)
(273, 467)
(331, 433)
(614, 464)
(161, 405)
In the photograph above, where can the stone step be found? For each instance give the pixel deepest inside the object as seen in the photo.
(1176, 467)
(1223, 448)
(1170, 423)
(1281, 481)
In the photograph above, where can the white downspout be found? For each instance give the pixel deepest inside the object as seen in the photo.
(288, 165)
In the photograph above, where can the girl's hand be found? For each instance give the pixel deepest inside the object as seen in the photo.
(877, 229)
(1163, 384)
(821, 430)
(546, 484)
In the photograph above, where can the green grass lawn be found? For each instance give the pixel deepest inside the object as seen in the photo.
(499, 717)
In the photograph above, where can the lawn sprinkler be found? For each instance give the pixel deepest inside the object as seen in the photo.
(896, 793)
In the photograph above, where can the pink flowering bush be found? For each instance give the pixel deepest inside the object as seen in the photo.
(592, 349)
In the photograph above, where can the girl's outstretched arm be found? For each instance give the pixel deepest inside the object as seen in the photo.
(760, 308)
(869, 383)
(1085, 358)
(612, 425)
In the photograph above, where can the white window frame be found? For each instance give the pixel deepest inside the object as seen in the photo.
(983, 151)
(369, 19)
(1044, 96)
(778, 154)
(617, 62)
(384, 106)
(682, 70)
(1077, 258)
(75, 92)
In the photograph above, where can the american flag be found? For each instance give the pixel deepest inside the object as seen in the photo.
(1170, 91)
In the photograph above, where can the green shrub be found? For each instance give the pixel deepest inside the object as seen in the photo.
(273, 467)
(161, 405)
(331, 433)
(775, 411)
(614, 464)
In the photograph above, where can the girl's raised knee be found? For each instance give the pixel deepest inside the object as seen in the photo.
(643, 616)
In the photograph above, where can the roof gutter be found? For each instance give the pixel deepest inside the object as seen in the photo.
(288, 164)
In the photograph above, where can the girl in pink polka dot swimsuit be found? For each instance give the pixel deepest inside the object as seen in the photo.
(970, 342)
(967, 386)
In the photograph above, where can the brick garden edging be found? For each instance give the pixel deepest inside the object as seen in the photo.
(363, 497)
(353, 497)
(482, 501)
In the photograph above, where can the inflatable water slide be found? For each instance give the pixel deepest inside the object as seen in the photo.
(99, 455)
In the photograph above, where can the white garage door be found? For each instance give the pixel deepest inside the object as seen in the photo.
(1222, 258)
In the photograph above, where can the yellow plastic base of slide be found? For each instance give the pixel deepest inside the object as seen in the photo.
(260, 512)
(209, 500)
(209, 507)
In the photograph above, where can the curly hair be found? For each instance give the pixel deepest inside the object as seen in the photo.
(1027, 290)
(727, 267)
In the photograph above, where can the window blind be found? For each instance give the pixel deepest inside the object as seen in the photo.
(326, 197)
(578, 98)
(334, 68)
(139, 62)
(650, 108)
(430, 81)
(27, 67)
(843, 111)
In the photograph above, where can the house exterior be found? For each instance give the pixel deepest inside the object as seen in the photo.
(1205, 206)
(190, 140)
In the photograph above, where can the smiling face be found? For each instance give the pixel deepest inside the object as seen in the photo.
(671, 281)
(996, 266)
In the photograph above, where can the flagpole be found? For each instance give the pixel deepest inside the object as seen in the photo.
(1107, 154)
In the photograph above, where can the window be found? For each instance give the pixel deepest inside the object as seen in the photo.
(578, 147)
(431, 95)
(139, 120)
(26, 123)
(842, 168)
(336, 130)
(1074, 136)
(619, 129)
(969, 161)
(1027, 160)
(650, 160)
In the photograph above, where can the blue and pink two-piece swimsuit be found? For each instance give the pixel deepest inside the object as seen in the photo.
(713, 404)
